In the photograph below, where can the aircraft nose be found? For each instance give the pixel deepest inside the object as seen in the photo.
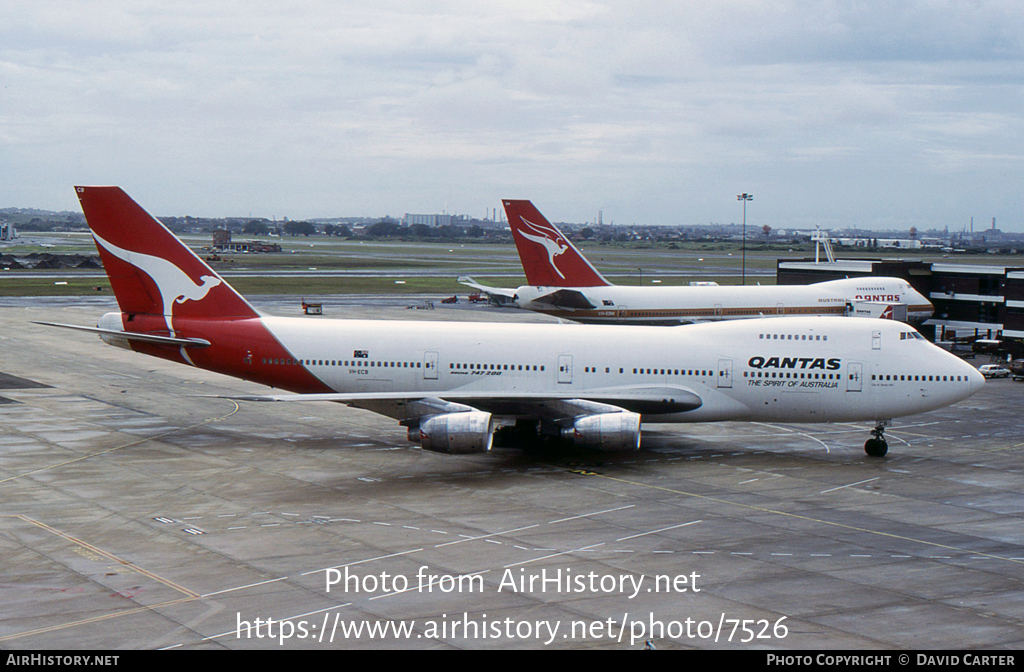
(921, 300)
(977, 380)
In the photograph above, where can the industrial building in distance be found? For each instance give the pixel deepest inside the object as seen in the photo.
(222, 243)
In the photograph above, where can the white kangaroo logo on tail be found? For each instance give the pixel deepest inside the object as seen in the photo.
(174, 284)
(553, 246)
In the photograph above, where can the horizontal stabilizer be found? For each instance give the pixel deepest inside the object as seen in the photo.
(148, 338)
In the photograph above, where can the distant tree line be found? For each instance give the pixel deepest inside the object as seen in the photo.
(391, 229)
(256, 227)
(385, 228)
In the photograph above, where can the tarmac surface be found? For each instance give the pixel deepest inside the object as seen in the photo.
(136, 513)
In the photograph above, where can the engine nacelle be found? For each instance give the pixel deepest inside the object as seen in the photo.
(455, 433)
(606, 431)
(113, 321)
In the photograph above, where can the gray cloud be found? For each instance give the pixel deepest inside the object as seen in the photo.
(842, 112)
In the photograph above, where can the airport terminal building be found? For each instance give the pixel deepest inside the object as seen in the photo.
(970, 299)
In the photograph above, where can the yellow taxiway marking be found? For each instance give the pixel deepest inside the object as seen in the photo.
(190, 595)
(109, 556)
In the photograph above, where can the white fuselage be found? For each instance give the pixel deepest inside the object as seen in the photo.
(795, 370)
(668, 305)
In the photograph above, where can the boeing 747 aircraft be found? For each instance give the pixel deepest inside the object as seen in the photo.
(458, 385)
(562, 283)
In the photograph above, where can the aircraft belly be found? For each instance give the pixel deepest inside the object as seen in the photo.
(801, 406)
(716, 406)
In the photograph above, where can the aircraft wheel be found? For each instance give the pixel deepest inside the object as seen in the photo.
(876, 447)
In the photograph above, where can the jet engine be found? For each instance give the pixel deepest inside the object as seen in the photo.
(606, 431)
(455, 433)
(113, 321)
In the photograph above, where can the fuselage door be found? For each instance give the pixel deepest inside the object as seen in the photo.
(876, 340)
(725, 373)
(780, 309)
(854, 377)
(565, 368)
(430, 366)
(622, 312)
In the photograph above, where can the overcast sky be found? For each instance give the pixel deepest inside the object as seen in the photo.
(874, 114)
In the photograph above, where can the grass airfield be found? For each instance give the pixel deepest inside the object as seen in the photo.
(320, 266)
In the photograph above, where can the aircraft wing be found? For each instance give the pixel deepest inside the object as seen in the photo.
(490, 291)
(547, 405)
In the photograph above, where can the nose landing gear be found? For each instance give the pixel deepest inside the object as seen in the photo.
(876, 446)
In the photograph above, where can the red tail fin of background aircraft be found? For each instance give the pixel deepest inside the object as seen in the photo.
(150, 270)
(548, 257)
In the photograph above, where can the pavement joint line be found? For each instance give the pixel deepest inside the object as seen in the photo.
(126, 445)
(280, 620)
(811, 519)
(553, 555)
(595, 513)
(850, 485)
(420, 588)
(106, 554)
(190, 596)
(663, 529)
(97, 619)
(250, 585)
(360, 562)
(485, 536)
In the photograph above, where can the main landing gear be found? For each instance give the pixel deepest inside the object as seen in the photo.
(876, 445)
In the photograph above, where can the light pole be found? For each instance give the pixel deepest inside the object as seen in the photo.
(745, 198)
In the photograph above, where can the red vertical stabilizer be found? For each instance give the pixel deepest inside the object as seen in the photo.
(548, 257)
(150, 270)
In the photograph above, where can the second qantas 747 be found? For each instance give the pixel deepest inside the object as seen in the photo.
(562, 283)
(460, 386)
